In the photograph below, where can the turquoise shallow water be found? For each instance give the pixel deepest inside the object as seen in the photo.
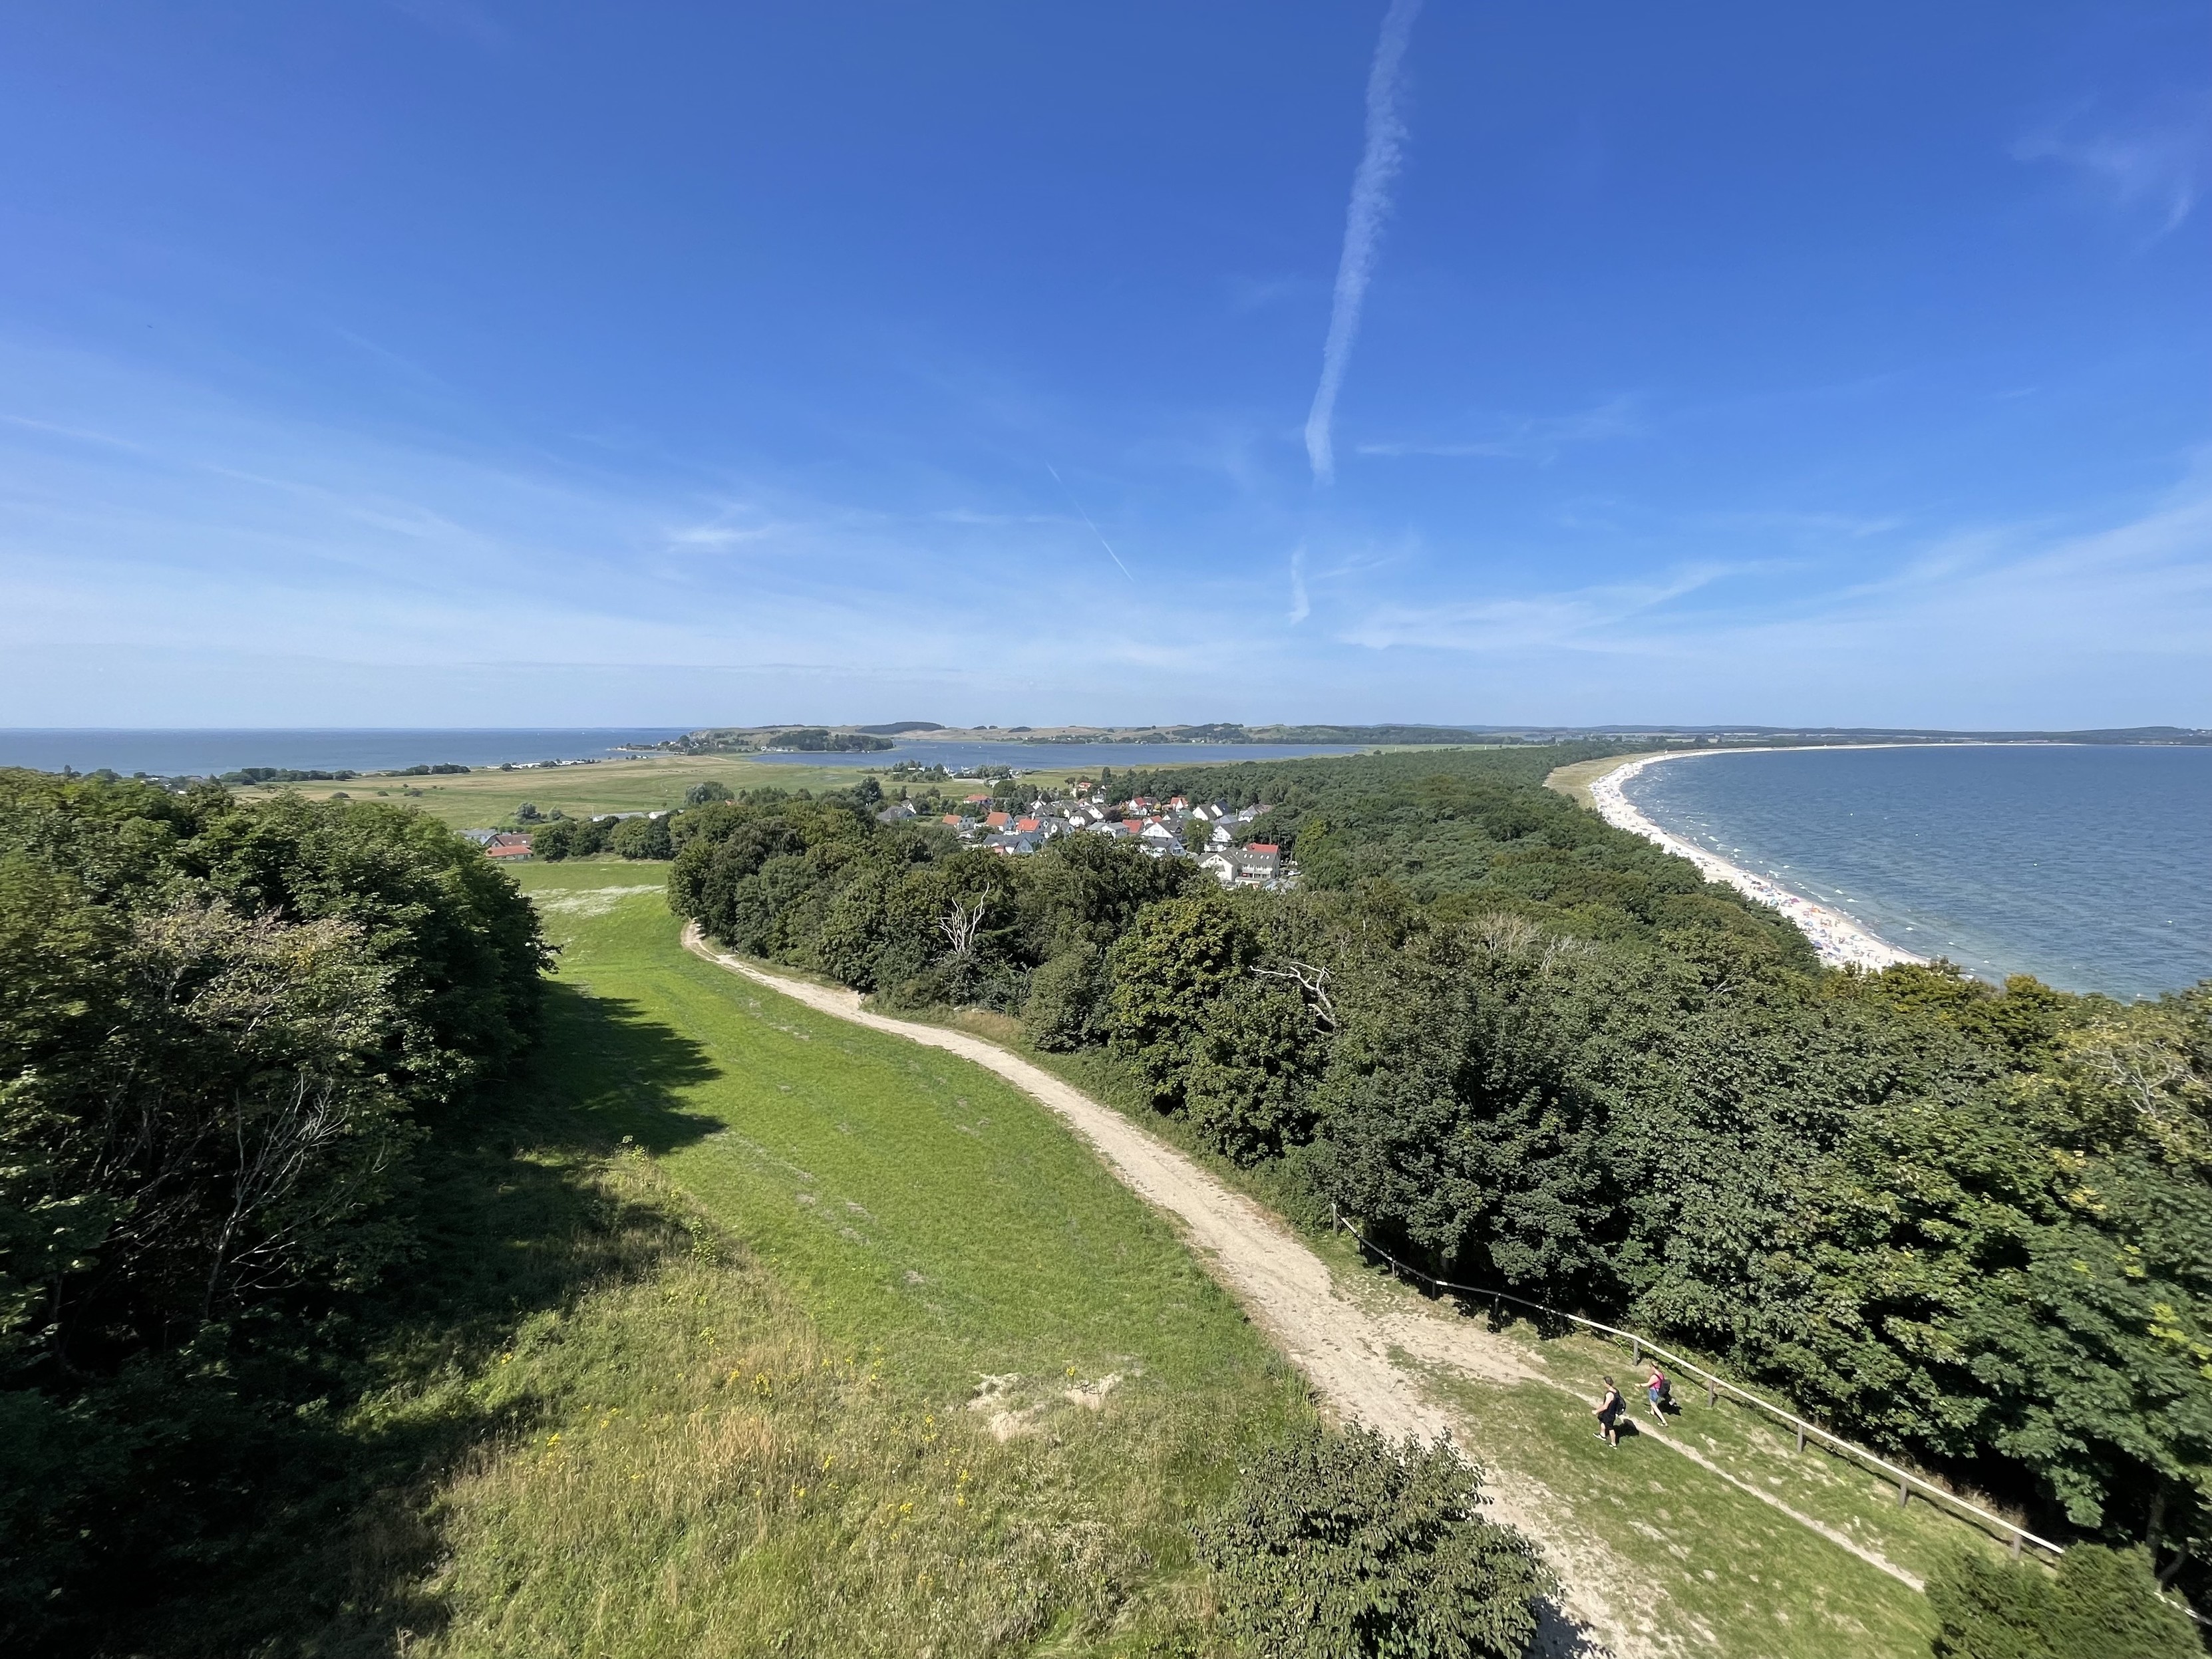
(2090, 867)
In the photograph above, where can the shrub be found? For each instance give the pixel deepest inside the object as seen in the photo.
(2100, 1602)
(1178, 956)
(1250, 1070)
(1338, 1544)
(1064, 997)
(700, 794)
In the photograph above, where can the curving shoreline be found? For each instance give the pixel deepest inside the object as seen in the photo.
(1838, 940)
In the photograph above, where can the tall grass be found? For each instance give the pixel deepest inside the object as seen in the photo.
(695, 1471)
(739, 1377)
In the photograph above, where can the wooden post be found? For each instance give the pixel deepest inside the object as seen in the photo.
(1636, 1349)
(2015, 1546)
(1712, 1392)
(1801, 1440)
(1900, 1494)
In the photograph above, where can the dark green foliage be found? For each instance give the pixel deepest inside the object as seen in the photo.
(1340, 1544)
(700, 794)
(1251, 1070)
(1454, 1111)
(1176, 957)
(1066, 995)
(2100, 1604)
(2027, 1269)
(815, 740)
(226, 1028)
(641, 838)
(571, 838)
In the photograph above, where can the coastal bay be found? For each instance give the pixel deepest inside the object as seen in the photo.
(2082, 865)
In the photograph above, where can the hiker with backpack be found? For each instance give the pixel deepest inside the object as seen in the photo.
(1660, 1393)
(1608, 1415)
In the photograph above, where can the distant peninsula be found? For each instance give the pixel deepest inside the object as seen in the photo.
(802, 738)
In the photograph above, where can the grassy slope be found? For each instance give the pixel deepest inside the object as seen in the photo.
(763, 1442)
(764, 1445)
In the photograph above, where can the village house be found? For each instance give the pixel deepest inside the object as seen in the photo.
(507, 847)
(1262, 864)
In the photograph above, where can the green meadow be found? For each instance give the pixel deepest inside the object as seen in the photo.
(489, 797)
(890, 1364)
(798, 1338)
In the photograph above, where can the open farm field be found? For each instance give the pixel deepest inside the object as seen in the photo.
(489, 797)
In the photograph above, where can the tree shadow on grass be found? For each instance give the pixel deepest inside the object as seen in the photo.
(293, 1531)
(609, 1073)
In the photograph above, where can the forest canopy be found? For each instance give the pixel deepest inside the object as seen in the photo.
(228, 1028)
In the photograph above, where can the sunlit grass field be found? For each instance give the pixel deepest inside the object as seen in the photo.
(818, 1266)
(909, 1372)
(489, 797)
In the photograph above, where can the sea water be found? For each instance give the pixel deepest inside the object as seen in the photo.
(2089, 866)
(201, 753)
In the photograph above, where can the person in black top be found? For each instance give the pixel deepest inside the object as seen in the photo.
(1608, 1415)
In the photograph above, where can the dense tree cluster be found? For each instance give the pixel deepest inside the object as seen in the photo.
(1345, 1546)
(1969, 1225)
(2099, 1603)
(226, 1027)
(635, 837)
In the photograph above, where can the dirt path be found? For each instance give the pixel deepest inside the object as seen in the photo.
(1347, 1348)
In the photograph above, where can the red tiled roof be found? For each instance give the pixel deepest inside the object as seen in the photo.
(1262, 847)
(996, 820)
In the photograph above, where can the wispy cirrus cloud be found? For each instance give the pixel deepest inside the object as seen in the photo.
(1379, 162)
(1520, 622)
(1301, 606)
(1997, 611)
(2150, 168)
(1525, 437)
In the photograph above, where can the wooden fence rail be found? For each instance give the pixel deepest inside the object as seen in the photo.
(1907, 1482)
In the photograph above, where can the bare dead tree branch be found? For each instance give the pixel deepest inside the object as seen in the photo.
(1313, 985)
(960, 924)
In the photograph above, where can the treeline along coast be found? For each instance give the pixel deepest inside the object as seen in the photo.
(267, 1066)
(1968, 1225)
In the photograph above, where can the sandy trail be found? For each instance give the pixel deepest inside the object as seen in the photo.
(1347, 1348)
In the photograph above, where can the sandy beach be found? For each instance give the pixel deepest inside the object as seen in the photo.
(1838, 941)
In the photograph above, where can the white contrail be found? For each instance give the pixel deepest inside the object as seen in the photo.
(1362, 228)
(1085, 517)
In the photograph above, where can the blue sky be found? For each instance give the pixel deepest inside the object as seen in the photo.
(477, 363)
